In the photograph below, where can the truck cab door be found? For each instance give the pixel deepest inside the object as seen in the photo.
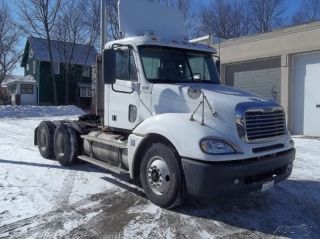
(123, 101)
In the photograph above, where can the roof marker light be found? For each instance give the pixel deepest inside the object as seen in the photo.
(151, 34)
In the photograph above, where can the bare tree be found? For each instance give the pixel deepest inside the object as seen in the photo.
(68, 32)
(92, 22)
(240, 19)
(225, 19)
(266, 14)
(9, 37)
(75, 25)
(113, 21)
(308, 12)
(39, 17)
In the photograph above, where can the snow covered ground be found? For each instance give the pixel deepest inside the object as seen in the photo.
(13, 111)
(41, 199)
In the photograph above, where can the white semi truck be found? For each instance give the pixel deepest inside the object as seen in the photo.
(169, 122)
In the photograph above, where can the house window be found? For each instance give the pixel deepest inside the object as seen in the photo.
(34, 67)
(56, 68)
(30, 53)
(85, 92)
(12, 89)
(86, 71)
(26, 89)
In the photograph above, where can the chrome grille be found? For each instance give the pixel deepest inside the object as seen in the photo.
(263, 124)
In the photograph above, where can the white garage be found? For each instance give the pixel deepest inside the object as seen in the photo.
(262, 77)
(306, 94)
(283, 65)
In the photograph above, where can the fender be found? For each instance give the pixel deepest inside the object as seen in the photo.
(184, 135)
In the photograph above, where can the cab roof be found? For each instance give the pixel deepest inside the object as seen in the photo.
(152, 40)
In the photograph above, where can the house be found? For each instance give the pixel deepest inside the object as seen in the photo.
(36, 60)
(283, 65)
(22, 90)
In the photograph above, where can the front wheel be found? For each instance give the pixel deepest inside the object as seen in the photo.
(162, 177)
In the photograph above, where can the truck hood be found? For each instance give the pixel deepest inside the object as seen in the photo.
(173, 98)
(172, 108)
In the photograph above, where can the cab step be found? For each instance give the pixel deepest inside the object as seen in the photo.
(102, 164)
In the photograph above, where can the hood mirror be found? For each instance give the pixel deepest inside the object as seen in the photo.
(194, 93)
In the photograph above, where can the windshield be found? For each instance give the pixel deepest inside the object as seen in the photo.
(173, 65)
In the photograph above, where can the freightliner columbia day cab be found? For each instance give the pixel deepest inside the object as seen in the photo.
(169, 122)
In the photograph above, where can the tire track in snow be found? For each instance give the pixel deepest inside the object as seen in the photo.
(24, 222)
(46, 225)
(61, 204)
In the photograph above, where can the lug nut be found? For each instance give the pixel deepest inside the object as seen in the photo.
(289, 168)
(236, 182)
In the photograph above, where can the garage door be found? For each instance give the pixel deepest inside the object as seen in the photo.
(306, 94)
(261, 77)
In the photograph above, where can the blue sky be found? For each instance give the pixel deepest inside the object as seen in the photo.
(292, 7)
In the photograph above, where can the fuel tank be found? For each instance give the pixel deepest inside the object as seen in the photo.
(105, 150)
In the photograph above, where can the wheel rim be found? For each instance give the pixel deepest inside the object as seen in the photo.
(158, 175)
(60, 144)
(43, 139)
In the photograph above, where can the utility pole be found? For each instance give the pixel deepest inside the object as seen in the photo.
(103, 24)
(98, 105)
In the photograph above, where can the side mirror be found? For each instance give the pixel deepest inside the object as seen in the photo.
(109, 66)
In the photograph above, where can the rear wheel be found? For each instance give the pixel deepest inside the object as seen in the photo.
(66, 145)
(45, 134)
(162, 177)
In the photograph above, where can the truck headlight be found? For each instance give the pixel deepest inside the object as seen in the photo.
(215, 146)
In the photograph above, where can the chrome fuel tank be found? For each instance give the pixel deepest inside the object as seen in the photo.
(104, 149)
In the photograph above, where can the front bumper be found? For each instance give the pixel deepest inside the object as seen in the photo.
(218, 179)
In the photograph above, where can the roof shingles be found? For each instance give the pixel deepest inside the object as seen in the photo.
(81, 54)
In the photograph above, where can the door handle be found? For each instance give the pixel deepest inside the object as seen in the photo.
(317, 106)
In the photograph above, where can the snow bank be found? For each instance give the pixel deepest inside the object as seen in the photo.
(28, 111)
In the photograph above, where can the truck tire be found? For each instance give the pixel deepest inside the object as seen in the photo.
(45, 134)
(66, 143)
(162, 177)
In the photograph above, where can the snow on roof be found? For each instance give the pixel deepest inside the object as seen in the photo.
(12, 78)
(208, 39)
(81, 54)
